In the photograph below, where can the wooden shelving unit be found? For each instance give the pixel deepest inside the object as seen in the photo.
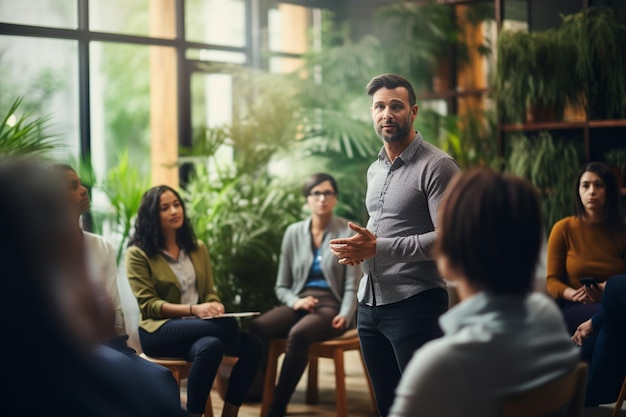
(588, 128)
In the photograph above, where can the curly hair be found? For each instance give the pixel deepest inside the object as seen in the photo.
(612, 210)
(148, 235)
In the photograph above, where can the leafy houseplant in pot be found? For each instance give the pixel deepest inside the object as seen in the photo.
(599, 38)
(534, 80)
(552, 166)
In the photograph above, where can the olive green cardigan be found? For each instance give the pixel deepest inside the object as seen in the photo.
(153, 282)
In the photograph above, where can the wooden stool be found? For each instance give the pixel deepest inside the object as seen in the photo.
(333, 349)
(180, 370)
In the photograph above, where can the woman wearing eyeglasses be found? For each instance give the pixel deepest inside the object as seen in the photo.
(318, 294)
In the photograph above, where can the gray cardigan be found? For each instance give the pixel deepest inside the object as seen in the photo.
(296, 259)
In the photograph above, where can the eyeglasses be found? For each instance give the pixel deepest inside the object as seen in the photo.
(319, 194)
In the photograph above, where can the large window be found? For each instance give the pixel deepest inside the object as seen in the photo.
(131, 75)
(44, 73)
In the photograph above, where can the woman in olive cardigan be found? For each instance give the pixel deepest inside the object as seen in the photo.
(170, 274)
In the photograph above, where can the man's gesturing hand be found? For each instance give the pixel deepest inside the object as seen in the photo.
(353, 250)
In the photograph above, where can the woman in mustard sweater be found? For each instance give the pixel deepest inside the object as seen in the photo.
(170, 274)
(585, 253)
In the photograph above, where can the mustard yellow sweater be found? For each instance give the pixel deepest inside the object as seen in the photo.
(578, 249)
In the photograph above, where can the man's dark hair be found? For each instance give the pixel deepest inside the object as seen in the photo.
(390, 81)
(490, 230)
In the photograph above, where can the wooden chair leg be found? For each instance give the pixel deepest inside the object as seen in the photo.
(176, 374)
(270, 378)
(620, 400)
(312, 388)
(340, 384)
(208, 407)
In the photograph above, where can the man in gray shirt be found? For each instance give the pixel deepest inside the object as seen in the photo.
(401, 295)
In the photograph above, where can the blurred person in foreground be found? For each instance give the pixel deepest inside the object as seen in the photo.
(102, 268)
(501, 338)
(57, 318)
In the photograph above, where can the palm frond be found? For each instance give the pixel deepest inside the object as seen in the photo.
(25, 134)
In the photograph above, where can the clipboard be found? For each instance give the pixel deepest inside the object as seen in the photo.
(241, 314)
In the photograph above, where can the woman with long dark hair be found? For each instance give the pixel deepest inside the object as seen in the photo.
(169, 271)
(586, 276)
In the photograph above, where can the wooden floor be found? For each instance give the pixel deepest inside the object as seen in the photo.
(359, 403)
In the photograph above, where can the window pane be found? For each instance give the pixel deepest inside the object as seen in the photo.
(53, 13)
(281, 65)
(216, 56)
(218, 22)
(133, 17)
(288, 29)
(212, 101)
(212, 106)
(44, 72)
(120, 105)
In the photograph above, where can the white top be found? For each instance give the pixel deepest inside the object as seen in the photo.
(185, 274)
(493, 346)
(102, 268)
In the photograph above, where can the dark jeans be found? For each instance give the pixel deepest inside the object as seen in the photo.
(205, 342)
(124, 357)
(575, 313)
(391, 333)
(605, 349)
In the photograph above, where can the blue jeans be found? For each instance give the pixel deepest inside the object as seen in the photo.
(605, 349)
(391, 333)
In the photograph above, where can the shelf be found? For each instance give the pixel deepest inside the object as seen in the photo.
(608, 123)
(543, 126)
(449, 94)
(563, 125)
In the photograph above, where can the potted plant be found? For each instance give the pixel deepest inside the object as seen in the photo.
(534, 80)
(552, 166)
(598, 37)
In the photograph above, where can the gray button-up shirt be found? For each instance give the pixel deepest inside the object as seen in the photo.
(402, 202)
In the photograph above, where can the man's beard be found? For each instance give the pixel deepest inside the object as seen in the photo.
(402, 131)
